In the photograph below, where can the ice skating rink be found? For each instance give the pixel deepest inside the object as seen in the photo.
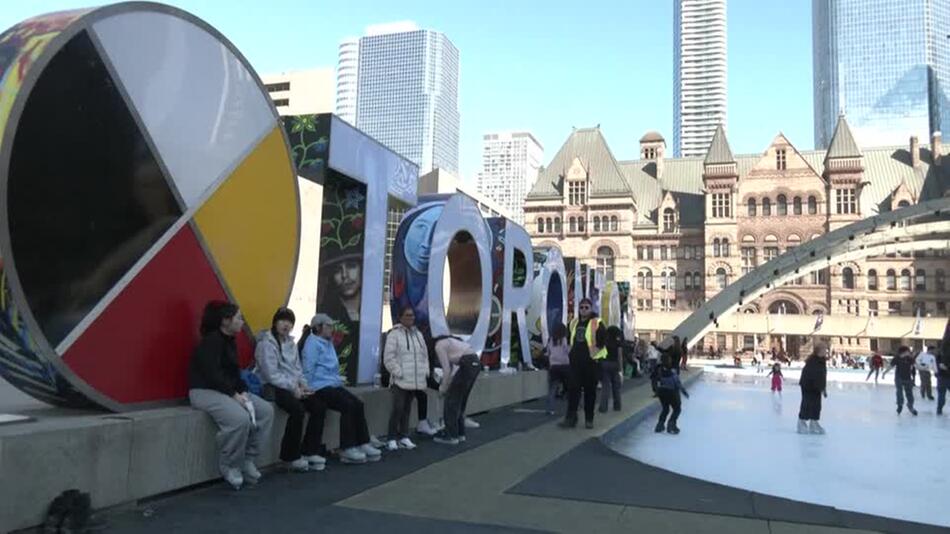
(735, 432)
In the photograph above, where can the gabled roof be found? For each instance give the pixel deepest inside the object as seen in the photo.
(719, 151)
(589, 145)
(842, 142)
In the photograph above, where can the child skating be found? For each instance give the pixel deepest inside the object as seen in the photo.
(667, 385)
(777, 378)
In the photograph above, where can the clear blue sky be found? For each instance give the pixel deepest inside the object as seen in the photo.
(545, 65)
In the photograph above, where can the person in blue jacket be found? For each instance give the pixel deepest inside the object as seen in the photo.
(321, 368)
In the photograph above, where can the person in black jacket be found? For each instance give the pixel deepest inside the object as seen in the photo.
(668, 388)
(903, 378)
(587, 337)
(943, 369)
(215, 386)
(610, 369)
(813, 381)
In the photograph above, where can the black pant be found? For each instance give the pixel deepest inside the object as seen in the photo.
(402, 405)
(926, 389)
(669, 398)
(456, 400)
(810, 408)
(585, 378)
(609, 383)
(290, 447)
(353, 431)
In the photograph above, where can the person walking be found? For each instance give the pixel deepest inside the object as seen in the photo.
(460, 368)
(903, 378)
(877, 363)
(278, 363)
(214, 386)
(777, 378)
(668, 389)
(559, 364)
(610, 369)
(588, 339)
(321, 367)
(813, 384)
(926, 365)
(407, 359)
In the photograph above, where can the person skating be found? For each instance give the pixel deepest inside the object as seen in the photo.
(943, 370)
(926, 365)
(777, 378)
(668, 389)
(877, 363)
(588, 337)
(903, 378)
(813, 383)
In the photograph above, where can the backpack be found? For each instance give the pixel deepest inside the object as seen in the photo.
(668, 380)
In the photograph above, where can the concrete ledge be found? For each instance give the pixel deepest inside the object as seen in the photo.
(126, 457)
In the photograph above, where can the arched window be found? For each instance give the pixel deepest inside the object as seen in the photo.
(697, 281)
(903, 204)
(920, 280)
(645, 279)
(716, 250)
(596, 224)
(872, 280)
(614, 223)
(605, 262)
(725, 248)
(781, 206)
(941, 281)
(688, 281)
(572, 225)
(721, 279)
(797, 206)
(847, 278)
(751, 207)
(581, 224)
(668, 220)
(540, 225)
(766, 207)
(557, 225)
(549, 225)
(891, 280)
(812, 205)
(905, 280)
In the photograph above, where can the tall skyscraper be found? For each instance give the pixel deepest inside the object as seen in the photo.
(510, 163)
(699, 74)
(885, 64)
(347, 73)
(407, 93)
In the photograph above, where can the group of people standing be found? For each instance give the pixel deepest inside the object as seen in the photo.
(303, 379)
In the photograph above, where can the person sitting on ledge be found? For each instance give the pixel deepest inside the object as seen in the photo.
(321, 367)
(278, 363)
(214, 380)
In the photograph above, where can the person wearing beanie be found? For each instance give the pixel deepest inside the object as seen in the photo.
(321, 368)
(278, 363)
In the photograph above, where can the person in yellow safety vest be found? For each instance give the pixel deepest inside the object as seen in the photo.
(588, 347)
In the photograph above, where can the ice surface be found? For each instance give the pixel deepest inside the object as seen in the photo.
(735, 432)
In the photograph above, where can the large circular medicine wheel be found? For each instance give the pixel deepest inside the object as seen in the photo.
(143, 173)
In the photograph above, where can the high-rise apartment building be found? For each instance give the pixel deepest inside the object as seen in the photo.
(699, 74)
(347, 76)
(510, 163)
(407, 92)
(883, 63)
(301, 92)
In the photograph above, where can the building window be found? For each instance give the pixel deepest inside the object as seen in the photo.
(920, 280)
(941, 308)
(393, 218)
(550, 225)
(605, 263)
(770, 253)
(890, 280)
(721, 278)
(668, 279)
(275, 87)
(920, 308)
(872, 307)
(687, 252)
(540, 225)
(688, 281)
(572, 225)
(894, 307)
(614, 223)
(697, 281)
(725, 248)
(698, 252)
(577, 193)
(596, 224)
(905, 280)
(663, 254)
(847, 278)
(819, 277)
(640, 252)
(751, 207)
(781, 205)
(766, 207)
(720, 205)
(748, 343)
(797, 206)
(846, 201)
(650, 253)
(278, 102)
(668, 304)
(581, 224)
(812, 205)
(941, 281)
(780, 159)
(557, 225)
(748, 259)
(668, 220)
(872, 280)
(716, 250)
(645, 279)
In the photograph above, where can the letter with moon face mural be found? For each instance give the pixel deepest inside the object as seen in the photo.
(444, 230)
(548, 295)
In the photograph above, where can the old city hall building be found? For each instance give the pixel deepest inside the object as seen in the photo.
(681, 229)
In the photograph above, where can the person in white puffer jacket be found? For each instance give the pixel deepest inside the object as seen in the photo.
(406, 357)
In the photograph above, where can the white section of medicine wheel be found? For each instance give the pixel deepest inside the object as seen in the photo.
(200, 105)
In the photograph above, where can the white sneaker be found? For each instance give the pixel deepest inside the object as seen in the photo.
(233, 476)
(391, 445)
(316, 462)
(352, 455)
(406, 443)
(471, 423)
(461, 439)
(300, 465)
(816, 428)
(251, 474)
(802, 427)
(374, 441)
(372, 453)
(424, 427)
